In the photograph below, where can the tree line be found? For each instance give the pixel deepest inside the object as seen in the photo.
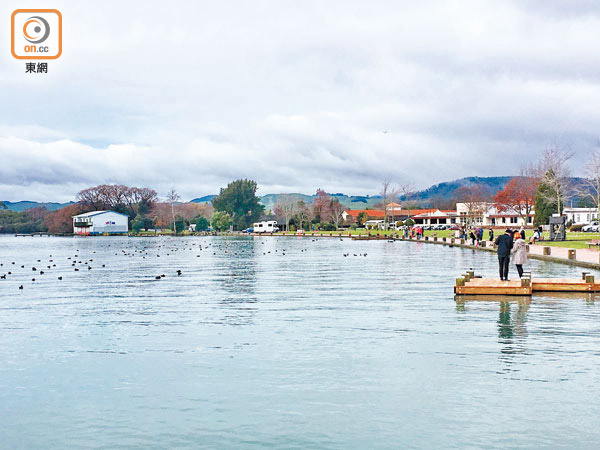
(542, 186)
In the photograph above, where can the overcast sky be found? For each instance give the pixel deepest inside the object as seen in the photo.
(297, 95)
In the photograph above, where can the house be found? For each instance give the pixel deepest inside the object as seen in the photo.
(489, 215)
(396, 213)
(100, 222)
(435, 217)
(581, 216)
(351, 215)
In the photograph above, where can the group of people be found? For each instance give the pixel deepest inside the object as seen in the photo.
(511, 242)
(474, 234)
(414, 232)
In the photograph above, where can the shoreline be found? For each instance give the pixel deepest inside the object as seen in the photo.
(587, 258)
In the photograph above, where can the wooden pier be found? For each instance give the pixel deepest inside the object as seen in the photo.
(490, 286)
(469, 284)
(565, 285)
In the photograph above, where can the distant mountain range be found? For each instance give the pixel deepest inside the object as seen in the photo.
(22, 206)
(444, 191)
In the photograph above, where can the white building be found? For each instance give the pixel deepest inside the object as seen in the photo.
(375, 224)
(488, 215)
(581, 216)
(100, 222)
(435, 217)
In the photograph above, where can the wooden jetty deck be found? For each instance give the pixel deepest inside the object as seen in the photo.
(469, 284)
(490, 286)
(564, 285)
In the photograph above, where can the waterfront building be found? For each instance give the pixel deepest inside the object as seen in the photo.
(100, 222)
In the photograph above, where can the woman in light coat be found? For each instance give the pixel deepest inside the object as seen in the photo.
(519, 252)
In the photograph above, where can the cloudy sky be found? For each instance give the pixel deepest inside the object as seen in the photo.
(297, 95)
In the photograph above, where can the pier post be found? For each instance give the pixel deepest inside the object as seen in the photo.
(572, 254)
(547, 251)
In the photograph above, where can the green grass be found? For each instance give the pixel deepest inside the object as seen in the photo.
(574, 240)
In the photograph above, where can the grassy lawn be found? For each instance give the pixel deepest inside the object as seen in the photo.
(574, 240)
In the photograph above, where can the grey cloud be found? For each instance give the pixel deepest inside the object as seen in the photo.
(297, 95)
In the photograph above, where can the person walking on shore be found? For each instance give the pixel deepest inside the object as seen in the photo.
(504, 243)
(491, 234)
(519, 253)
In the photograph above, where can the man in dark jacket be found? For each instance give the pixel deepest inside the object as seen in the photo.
(504, 243)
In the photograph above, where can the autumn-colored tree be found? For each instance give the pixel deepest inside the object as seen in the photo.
(61, 220)
(321, 205)
(518, 197)
(37, 213)
(162, 214)
(124, 199)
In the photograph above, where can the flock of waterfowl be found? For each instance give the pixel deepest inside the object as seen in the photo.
(43, 268)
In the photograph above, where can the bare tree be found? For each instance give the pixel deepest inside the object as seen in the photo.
(303, 212)
(476, 199)
(132, 200)
(286, 207)
(591, 184)
(407, 190)
(172, 197)
(336, 210)
(388, 193)
(554, 173)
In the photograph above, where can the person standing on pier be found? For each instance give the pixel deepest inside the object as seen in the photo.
(520, 252)
(505, 244)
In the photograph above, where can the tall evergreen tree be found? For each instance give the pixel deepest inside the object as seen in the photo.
(239, 200)
(546, 203)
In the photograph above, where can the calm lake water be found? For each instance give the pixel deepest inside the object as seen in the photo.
(285, 343)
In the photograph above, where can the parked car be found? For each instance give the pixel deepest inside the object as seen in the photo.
(592, 227)
(454, 227)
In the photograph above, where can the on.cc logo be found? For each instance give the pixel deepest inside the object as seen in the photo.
(36, 29)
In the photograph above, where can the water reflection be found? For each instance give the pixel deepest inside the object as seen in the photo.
(511, 323)
(512, 329)
(236, 262)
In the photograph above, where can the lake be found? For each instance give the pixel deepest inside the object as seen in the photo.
(285, 343)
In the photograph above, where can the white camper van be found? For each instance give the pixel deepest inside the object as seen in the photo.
(270, 226)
